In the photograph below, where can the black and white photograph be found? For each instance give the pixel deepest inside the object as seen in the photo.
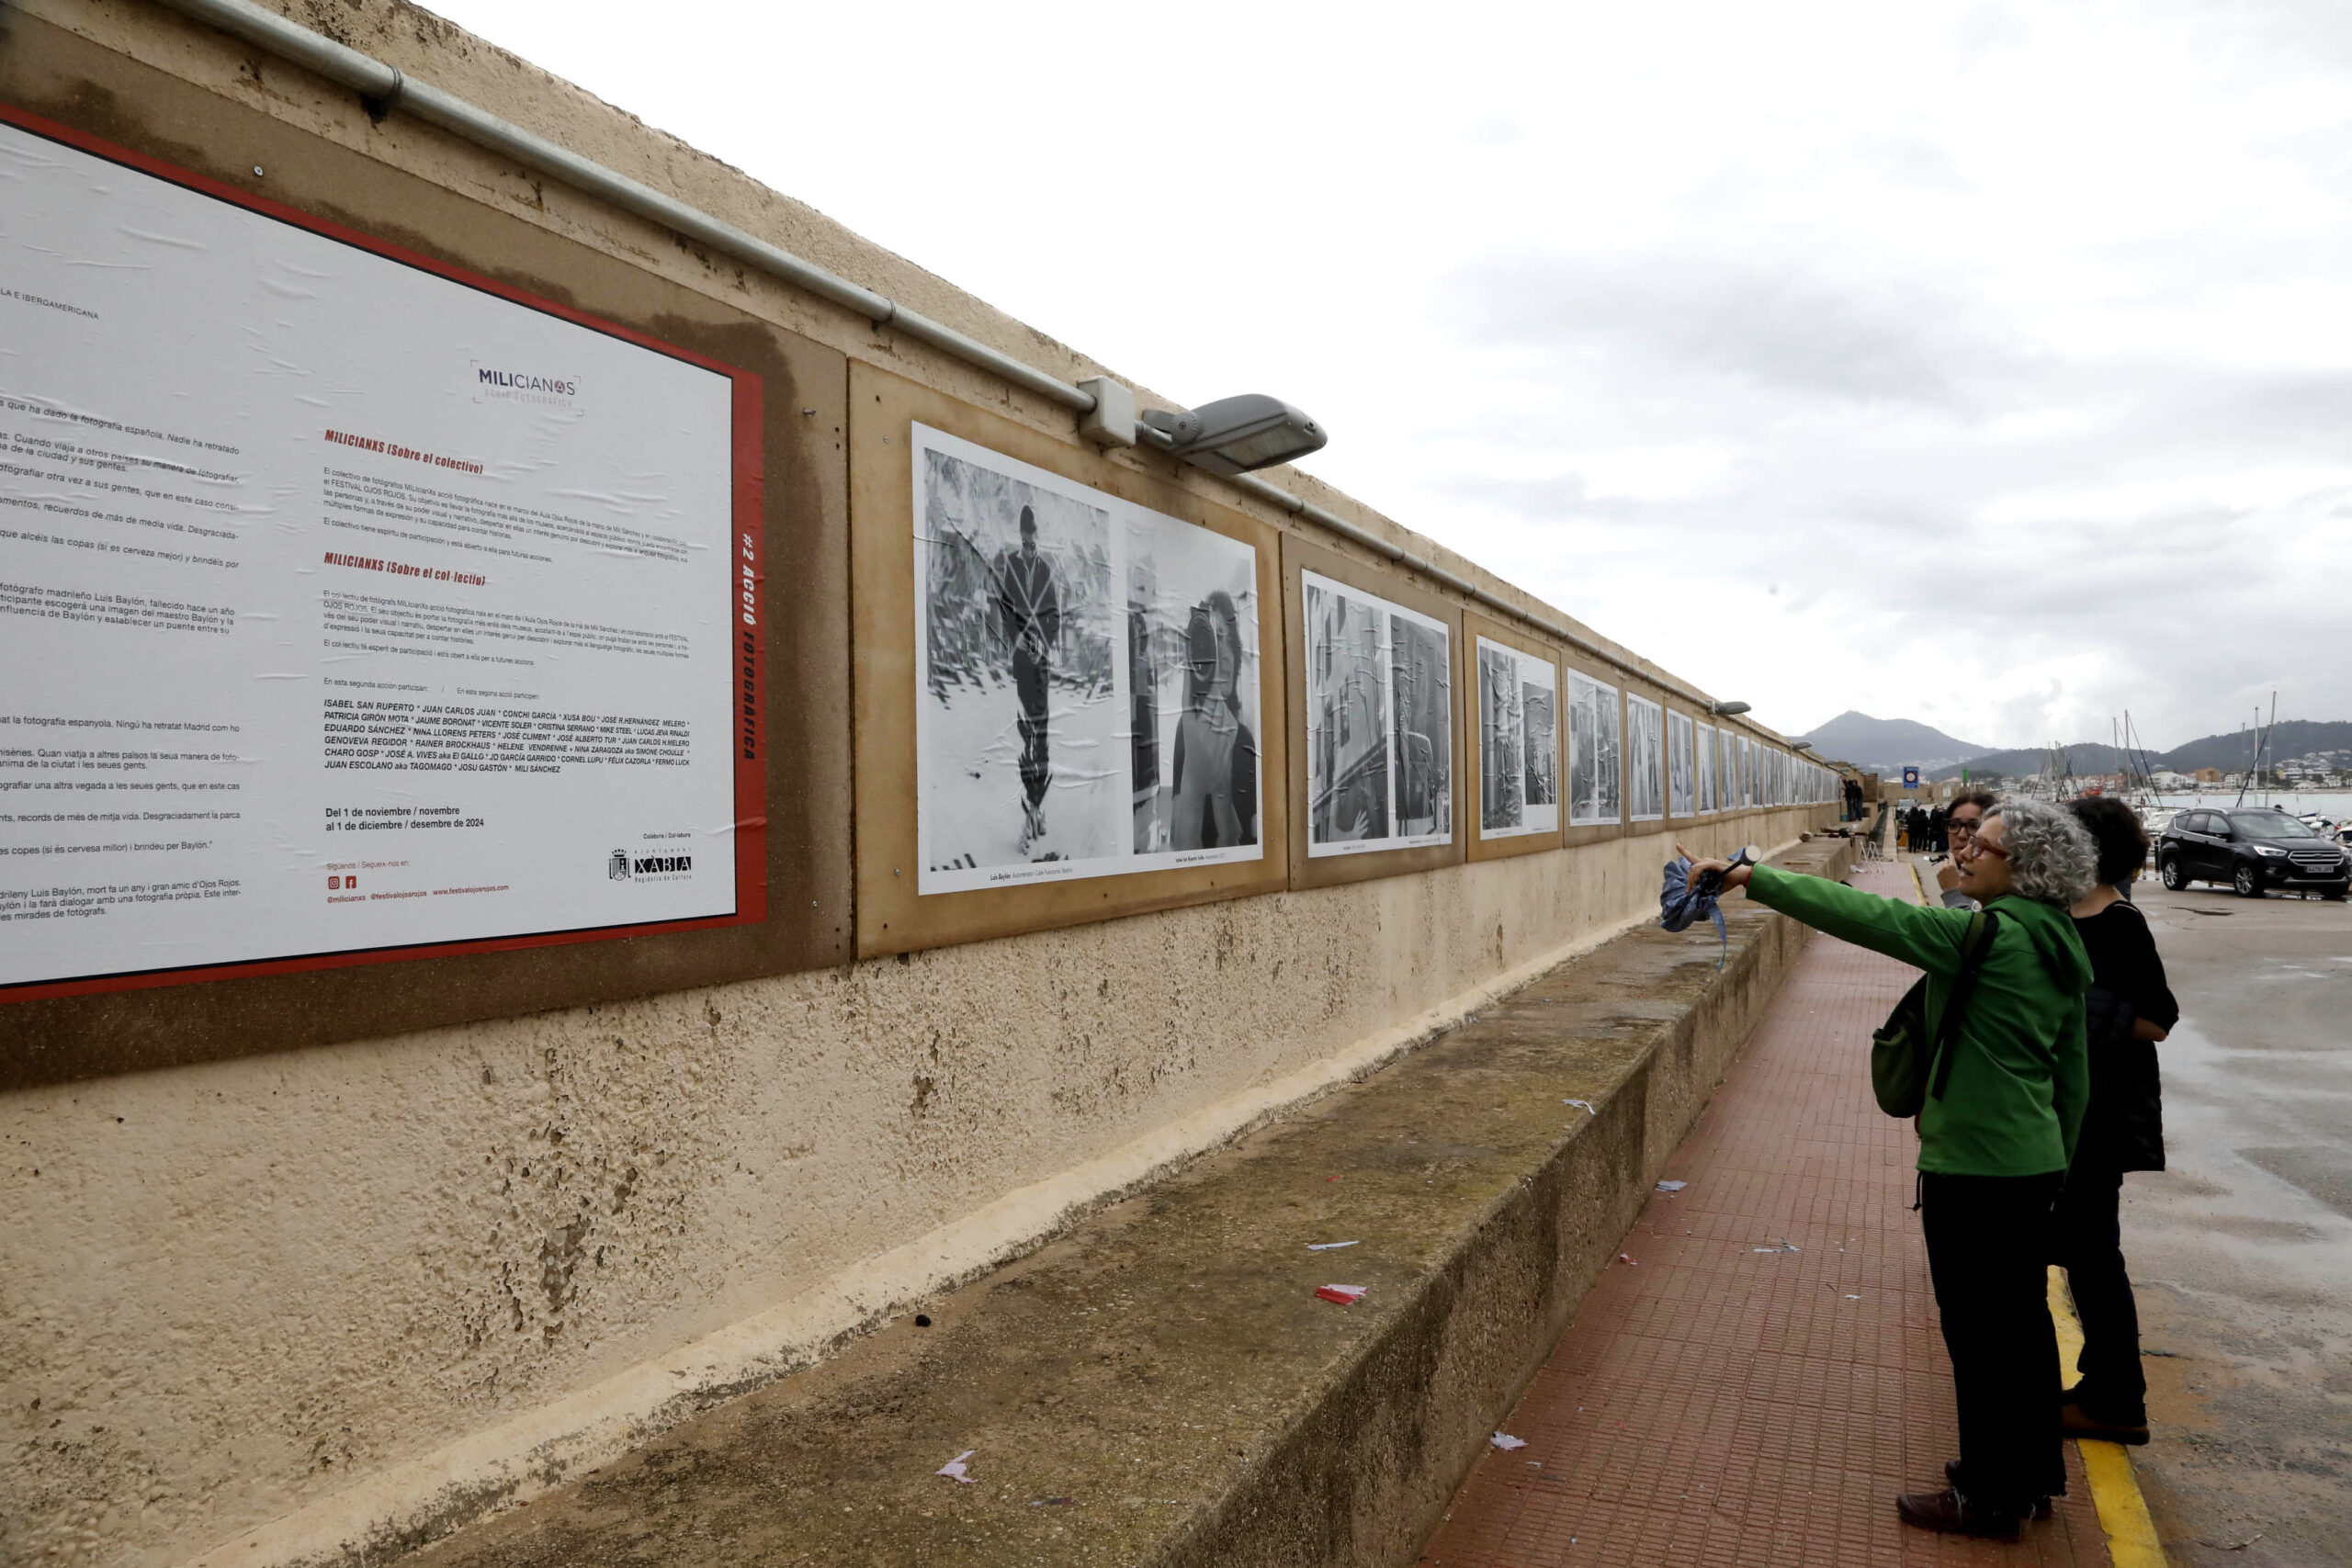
(1644, 760)
(1596, 753)
(1193, 691)
(1379, 722)
(1056, 735)
(1745, 796)
(1518, 742)
(1706, 756)
(1681, 767)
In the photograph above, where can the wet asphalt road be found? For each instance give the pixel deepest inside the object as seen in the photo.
(2240, 1252)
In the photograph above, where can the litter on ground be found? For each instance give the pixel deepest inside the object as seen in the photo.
(1672, 1186)
(1628, 1258)
(1785, 1245)
(1329, 1245)
(1583, 1105)
(1345, 1296)
(1505, 1442)
(954, 1468)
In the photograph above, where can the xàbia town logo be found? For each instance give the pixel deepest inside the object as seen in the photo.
(622, 866)
(542, 386)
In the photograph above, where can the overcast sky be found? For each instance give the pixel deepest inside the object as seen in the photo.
(1985, 365)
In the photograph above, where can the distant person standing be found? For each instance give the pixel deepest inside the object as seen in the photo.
(1029, 610)
(1937, 843)
(2127, 1012)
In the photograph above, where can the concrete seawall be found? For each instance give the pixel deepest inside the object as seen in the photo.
(1162, 1386)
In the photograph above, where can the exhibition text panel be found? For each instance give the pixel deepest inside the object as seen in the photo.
(344, 605)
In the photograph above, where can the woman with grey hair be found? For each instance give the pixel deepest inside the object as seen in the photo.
(1996, 1141)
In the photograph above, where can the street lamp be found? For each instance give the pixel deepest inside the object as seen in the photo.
(1233, 436)
(1726, 708)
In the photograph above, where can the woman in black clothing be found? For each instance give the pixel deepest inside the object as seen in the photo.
(2128, 1010)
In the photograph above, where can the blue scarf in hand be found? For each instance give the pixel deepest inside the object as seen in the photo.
(1679, 903)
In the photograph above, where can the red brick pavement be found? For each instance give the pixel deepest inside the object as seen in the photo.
(1716, 1404)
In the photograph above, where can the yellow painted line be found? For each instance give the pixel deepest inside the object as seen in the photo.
(1921, 884)
(2123, 1512)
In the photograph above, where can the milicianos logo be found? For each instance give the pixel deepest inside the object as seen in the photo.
(511, 383)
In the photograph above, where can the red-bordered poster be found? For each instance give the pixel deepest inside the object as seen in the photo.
(351, 608)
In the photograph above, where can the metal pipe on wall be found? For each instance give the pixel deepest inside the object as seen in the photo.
(385, 87)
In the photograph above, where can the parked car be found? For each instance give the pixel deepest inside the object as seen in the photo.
(2252, 851)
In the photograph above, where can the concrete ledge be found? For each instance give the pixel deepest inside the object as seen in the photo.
(1163, 1385)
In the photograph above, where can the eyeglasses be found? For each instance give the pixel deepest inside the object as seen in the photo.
(1963, 825)
(1979, 845)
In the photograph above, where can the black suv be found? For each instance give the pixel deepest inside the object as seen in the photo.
(2252, 851)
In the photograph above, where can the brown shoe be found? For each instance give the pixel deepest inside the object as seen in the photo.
(2076, 1422)
(2041, 1509)
(1949, 1513)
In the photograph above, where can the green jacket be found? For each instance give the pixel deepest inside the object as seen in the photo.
(2020, 1075)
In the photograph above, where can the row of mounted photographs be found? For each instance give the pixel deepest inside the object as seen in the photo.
(1090, 690)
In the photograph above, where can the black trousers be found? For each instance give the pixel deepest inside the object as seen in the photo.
(1988, 1251)
(1029, 684)
(2090, 1249)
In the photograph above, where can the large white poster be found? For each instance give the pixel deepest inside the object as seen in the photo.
(1644, 760)
(1596, 760)
(344, 605)
(1087, 679)
(1379, 722)
(1706, 754)
(1518, 742)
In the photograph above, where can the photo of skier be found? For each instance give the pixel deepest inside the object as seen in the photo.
(1020, 726)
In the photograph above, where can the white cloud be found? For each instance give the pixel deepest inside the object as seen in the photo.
(2008, 342)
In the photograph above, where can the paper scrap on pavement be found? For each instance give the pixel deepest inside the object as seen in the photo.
(954, 1468)
(1584, 1105)
(1505, 1442)
(1672, 1186)
(1329, 1246)
(1784, 1246)
(1345, 1296)
(1627, 1258)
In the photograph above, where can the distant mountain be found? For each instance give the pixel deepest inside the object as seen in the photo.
(2087, 757)
(2292, 738)
(1888, 745)
(2230, 752)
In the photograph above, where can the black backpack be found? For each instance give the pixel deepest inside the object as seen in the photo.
(1906, 1066)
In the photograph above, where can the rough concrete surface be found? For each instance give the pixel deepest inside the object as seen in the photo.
(1163, 1385)
(2240, 1252)
(254, 1285)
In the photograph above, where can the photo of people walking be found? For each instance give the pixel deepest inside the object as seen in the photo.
(1518, 742)
(1379, 722)
(1596, 753)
